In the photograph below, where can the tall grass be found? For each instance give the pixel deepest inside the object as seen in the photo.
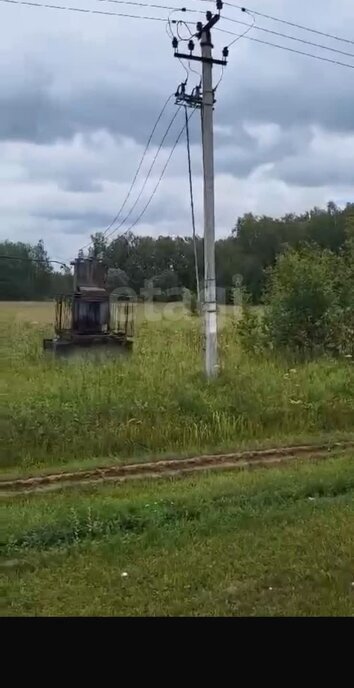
(156, 401)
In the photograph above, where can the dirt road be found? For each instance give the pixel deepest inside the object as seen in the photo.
(172, 467)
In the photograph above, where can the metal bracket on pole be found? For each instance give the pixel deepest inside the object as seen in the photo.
(193, 99)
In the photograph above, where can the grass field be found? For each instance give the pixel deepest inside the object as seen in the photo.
(275, 542)
(156, 402)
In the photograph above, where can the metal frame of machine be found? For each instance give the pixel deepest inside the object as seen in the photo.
(90, 317)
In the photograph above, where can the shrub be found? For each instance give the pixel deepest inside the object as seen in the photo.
(191, 302)
(250, 328)
(309, 304)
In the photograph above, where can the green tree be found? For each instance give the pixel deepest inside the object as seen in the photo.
(42, 271)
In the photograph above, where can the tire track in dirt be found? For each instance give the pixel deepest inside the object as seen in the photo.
(171, 467)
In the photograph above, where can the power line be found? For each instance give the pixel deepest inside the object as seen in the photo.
(159, 179)
(291, 50)
(249, 27)
(86, 10)
(142, 160)
(35, 260)
(171, 36)
(147, 176)
(289, 23)
(83, 10)
(137, 170)
(152, 6)
(291, 38)
(185, 40)
(28, 3)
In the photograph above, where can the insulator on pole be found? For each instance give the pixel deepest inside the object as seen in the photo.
(174, 43)
(191, 46)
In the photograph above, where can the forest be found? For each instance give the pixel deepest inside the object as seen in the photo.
(167, 263)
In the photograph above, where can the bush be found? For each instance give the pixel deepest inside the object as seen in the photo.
(250, 328)
(309, 305)
(191, 302)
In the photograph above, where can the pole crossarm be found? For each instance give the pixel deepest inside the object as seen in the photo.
(197, 58)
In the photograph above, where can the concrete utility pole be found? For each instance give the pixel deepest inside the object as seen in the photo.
(190, 100)
(211, 342)
(192, 208)
(204, 36)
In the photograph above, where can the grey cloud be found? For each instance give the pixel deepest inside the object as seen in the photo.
(243, 159)
(260, 84)
(169, 209)
(309, 171)
(304, 97)
(75, 217)
(79, 185)
(29, 116)
(43, 117)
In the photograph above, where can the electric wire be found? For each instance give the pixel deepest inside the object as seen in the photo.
(83, 10)
(287, 36)
(290, 23)
(249, 27)
(291, 50)
(220, 79)
(122, 222)
(158, 181)
(185, 40)
(171, 35)
(35, 260)
(152, 6)
(172, 21)
(115, 219)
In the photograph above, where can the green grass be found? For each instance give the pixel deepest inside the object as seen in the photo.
(268, 542)
(156, 402)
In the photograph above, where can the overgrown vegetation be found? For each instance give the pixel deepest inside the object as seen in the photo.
(309, 305)
(156, 401)
(270, 542)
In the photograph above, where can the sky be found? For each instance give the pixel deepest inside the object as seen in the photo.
(80, 93)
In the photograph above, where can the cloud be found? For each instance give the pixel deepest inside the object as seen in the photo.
(305, 156)
(328, 159)
(58, 82)
(80, 93)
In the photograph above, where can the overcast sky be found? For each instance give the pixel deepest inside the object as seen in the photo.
(79, 94)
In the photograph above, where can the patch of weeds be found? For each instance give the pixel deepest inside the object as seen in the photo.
(131, 520)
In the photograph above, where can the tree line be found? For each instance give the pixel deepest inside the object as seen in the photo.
(167, 263)
(26, 273)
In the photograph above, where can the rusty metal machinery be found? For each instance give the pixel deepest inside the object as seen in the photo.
(90, 317)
